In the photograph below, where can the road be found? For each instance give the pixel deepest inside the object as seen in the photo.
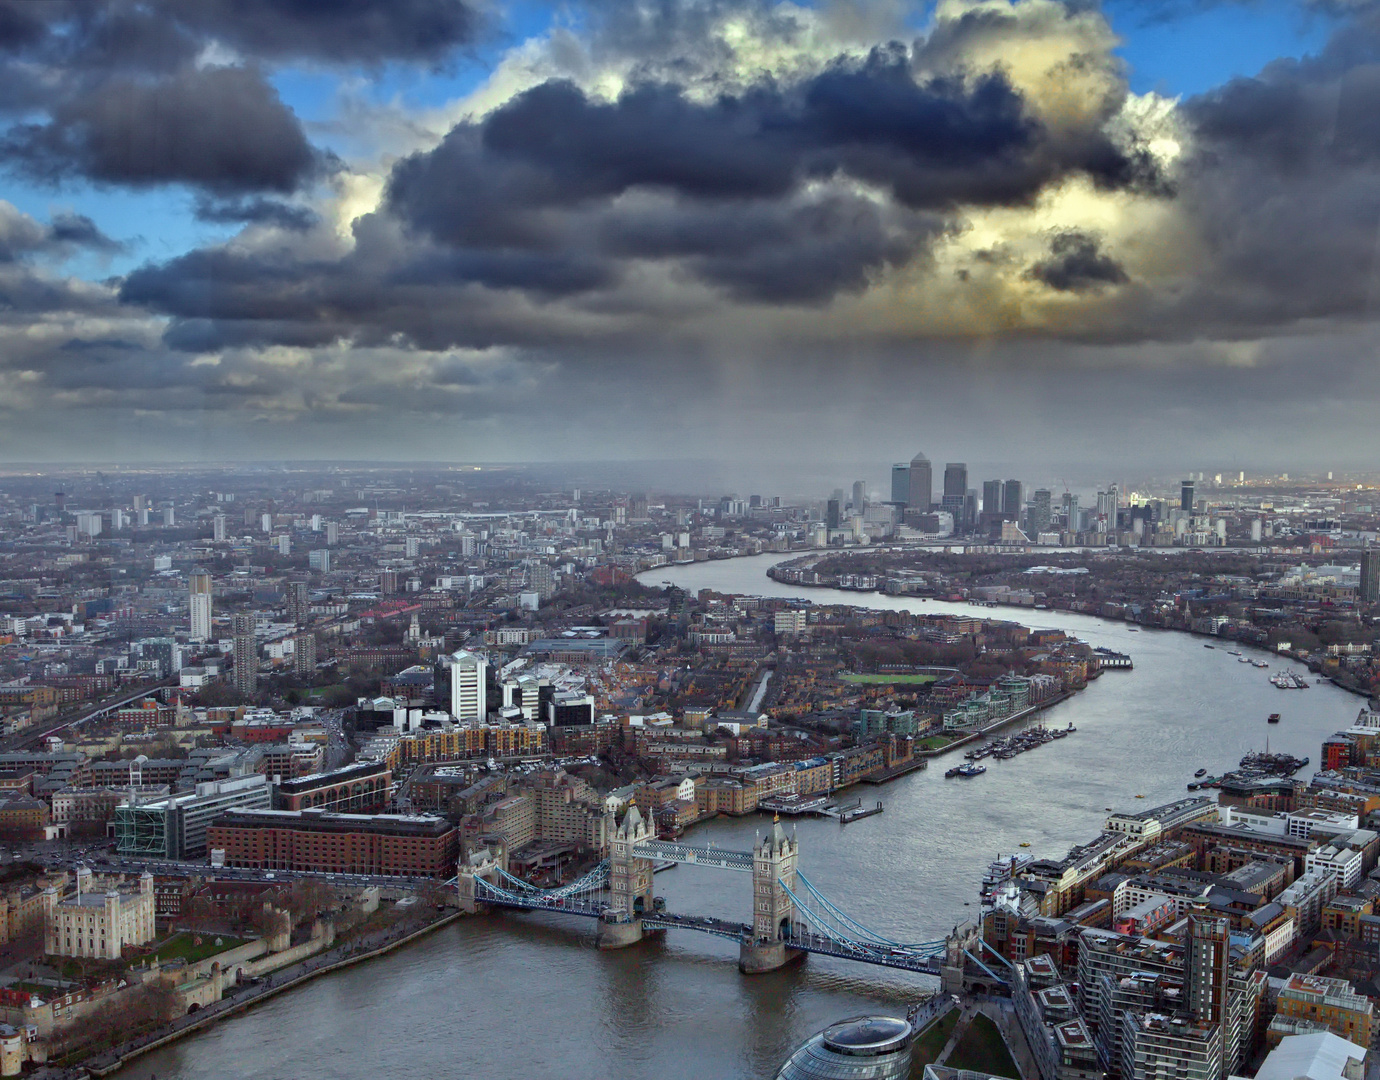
(337, 745)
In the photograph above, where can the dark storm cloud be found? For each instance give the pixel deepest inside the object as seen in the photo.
(337, 31)
(125, 100)
(1076, 264)
(163, 34)
(21, 236)
(78, 229)
(257, 211)
(932, 143)
(222, 129)
(787, 252)
(559, 197)
(730, 173)
(1284, 187)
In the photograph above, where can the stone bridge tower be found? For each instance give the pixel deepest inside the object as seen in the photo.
(483, 864)
(630, 883)
(773, 911)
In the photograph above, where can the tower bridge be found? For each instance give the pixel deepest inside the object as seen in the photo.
(790, 916)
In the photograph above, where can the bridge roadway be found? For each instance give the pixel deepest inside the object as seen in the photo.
(878, 956)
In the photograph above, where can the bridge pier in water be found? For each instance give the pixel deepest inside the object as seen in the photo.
(617, 933)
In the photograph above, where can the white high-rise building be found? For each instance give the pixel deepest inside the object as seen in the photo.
(332, 534)
(199, 587)
(266, 522)
(169, 517)
(284, 544)
(218, 528)
(468, 678)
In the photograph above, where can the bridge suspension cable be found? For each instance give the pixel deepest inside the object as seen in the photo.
(851, 929)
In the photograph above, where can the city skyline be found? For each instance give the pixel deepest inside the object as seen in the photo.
(688, 229)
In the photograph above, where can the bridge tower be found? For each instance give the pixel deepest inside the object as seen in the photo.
(773, 872)
(953, 971)
(482, 864)
(630, 883)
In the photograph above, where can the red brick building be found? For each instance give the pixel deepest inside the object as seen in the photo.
(355, 789)
(390, 844)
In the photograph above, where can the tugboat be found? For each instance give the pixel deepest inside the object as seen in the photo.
(1273, 718)
(965, 771)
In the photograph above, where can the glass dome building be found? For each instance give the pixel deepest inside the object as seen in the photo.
(859, 1048)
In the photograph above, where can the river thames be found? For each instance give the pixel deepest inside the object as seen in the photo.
(529, 996)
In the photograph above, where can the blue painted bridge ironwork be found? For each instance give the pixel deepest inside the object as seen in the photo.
(814, 925)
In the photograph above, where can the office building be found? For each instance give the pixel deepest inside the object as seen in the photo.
(1186, 496)
(1013, 500)
(859, 495)
(567, 709)
(921, 484)
(468, 686)
(1041, 511)
(199, 601)
(245, 653)
(992, 497)
(874, 1047)
(1370, 576)
(1106, 510)
(176, 827)
(955, 496)
(955, 480)
(1071, 523)
(900, 484)
(833, 514)
(362, 788)
(415, 845)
